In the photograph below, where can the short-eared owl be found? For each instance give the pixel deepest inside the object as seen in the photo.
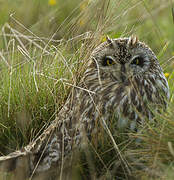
(123, 78)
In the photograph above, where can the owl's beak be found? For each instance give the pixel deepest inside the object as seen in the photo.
(123, 73)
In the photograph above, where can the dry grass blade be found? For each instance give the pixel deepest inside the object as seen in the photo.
(43, 57)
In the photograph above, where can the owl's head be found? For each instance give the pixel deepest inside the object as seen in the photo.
(125, 58)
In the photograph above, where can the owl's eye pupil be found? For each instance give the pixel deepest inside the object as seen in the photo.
(138, 61)
(108, 61)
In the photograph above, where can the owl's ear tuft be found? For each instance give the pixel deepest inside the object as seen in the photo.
(132, 41)
(109, 41)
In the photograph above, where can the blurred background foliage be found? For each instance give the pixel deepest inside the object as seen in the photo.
(150, 21)
(42, 46)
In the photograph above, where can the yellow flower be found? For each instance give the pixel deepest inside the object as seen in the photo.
(166, 75)
(52, 2)
(81, 22)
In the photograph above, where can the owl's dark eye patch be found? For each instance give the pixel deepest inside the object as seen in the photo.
(139, 61)
(108, 61)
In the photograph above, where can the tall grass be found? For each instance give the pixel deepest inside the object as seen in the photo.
(44, 50)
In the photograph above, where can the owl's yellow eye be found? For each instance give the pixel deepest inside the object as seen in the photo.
(138, 61)
(108, 61)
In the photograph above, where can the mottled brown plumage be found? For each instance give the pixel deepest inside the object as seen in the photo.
(123, 82)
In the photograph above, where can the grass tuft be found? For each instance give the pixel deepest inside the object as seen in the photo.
(45, 46)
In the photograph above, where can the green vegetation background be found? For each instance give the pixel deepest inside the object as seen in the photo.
(43, 46)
